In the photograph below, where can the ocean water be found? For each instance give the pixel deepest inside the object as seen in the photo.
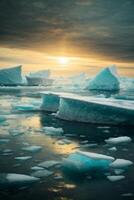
(25, 128)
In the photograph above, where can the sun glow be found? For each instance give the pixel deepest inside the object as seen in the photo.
(63, 60)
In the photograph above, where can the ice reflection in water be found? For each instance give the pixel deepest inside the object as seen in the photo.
(58, 186)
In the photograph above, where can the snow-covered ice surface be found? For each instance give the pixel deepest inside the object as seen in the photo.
(35, 143)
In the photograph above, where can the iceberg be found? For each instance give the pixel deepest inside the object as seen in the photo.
(39, 78)
(96, 110)
(86, 162)
(11, 76)
(16, 180)
(106, 79)
(118, 140)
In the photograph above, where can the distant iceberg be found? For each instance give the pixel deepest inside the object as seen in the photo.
(39, 78)
(106, 79)
(11, 76)
(96, 110)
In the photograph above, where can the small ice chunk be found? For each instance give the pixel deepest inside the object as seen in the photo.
(7, 151)
(32, 149)
(118, 140)
(36, 168)
(3, 141)
(112, 149)
(121, 163)
(49, 163)
(16, 132)
(64, 141)
(2, 119)
(26, 107)
(127, 195)
(53, 131)
(115, 178)
(23, 158)
(119, 171)
(42, 173)
(15, 180)
(83, 162)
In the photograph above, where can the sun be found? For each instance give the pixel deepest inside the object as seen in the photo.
(63, 60)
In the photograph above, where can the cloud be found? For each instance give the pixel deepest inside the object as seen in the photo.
(103, 28)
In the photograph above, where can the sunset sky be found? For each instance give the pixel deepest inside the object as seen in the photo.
(67, 36)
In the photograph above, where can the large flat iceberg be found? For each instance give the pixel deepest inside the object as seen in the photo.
(96, 110)
(11, 76)
(106, 79)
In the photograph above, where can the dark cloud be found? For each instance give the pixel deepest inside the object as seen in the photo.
(102, 27)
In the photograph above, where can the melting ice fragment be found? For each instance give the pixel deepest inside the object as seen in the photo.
(2, 119)
(118, 140)
(53, 131)
(42, 173)
(121, 164)
(106, 79)
(86, 162)
(115, 178)
(23, 158)
(26, 107)
(3, 141)
(48, 164)
(15, 180)
(32, 149)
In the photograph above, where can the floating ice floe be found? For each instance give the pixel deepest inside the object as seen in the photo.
(86, 162)
(48, 164)
(39, 78)
(32, 149)
(112, 149)
(23, 158)
(11, 76)
(3, 141)
(115, 178)
(118, 140)
(53, 131)
(2, 119)
(25, 107)
(36, 168)
(16, 132)
(106, 79)
(96, 110)
(42, 173)
(121, 164)
(16, 180)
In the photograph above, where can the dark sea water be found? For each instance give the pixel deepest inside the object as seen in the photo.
(59, 186)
